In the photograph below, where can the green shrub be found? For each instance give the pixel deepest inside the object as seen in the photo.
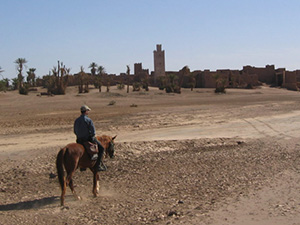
(136, 86)
(23, 90)
(112, 102)
(220, 90)
(3, 85)
(172, 84)
(120, 86)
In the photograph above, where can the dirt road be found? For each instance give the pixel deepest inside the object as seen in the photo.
(282, 126)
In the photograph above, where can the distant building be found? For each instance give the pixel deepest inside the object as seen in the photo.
(139, 73)
(248, 77)
(159, 63)
(265, 74)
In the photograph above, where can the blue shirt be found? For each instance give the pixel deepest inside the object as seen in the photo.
(84, 127)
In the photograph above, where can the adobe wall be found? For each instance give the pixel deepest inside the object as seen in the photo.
(298, 75)
(208, 79)
(137, 68)
(140, 73)
(248, 79)
(290, 80)
(197, 74)
(266, 75)
(234, 78)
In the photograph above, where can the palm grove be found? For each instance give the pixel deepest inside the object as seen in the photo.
(57, 81)
(59, 78)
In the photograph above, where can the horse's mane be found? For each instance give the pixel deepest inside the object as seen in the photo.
(105, 140)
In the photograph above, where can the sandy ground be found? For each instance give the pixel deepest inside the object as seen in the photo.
(193, 158)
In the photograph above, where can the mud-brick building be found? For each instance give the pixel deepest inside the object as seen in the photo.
(264, 74)
(248, 76)
(205, 79)
(159, 63)
(290, 80)
(277, 77)
(139, 73)
(298, 77)
(233, 78)
(248, 79)
(287, 79)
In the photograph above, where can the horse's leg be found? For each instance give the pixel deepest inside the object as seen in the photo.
(63, 194)
(70, 173)
(96, 183)
(73, 190)
(60, 174)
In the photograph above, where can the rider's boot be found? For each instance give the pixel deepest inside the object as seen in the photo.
(102, 166)
(99, 164)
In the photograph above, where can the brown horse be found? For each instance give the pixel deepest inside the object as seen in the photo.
(73, 156)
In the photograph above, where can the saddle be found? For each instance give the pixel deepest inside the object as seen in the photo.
(91, 148)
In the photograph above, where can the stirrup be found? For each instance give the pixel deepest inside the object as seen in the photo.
(94, 157)
(101, 167)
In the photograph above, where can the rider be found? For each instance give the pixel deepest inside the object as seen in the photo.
(85, 131)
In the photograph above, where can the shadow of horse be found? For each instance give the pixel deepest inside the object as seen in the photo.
(30, 204)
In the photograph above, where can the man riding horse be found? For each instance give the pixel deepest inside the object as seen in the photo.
(84, 130)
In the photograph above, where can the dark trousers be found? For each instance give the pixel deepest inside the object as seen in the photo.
(100, 147)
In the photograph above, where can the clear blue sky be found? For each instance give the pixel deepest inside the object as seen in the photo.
(203, 34)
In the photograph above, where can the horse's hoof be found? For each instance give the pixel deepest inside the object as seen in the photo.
(79, 198)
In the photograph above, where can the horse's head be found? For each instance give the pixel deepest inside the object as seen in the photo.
(110, 150)
(108, 144)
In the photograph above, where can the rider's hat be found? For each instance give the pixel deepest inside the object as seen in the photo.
(85, 108)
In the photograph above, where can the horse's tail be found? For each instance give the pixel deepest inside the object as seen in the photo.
(60, 168)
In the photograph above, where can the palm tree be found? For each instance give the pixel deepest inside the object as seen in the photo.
(4, 79)
(81, 80)
(15, 83)
(20, 64)
(93, 67)
(1, 71)
(101, 70)
(172, 85)
(101, 73)
(220, 83)
(128, 77)
(107, 81)
(162, 82)
(3, 83)
(58, 81)
(31, 76)
(192, 81)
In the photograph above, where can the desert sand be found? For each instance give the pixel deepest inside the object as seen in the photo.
(191, 158)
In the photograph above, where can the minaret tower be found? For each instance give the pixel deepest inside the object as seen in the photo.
(159, 63)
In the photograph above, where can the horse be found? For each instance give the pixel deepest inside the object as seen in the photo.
(74, 156)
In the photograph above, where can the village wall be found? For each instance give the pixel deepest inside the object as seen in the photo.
(290, 80)
(265, 75)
